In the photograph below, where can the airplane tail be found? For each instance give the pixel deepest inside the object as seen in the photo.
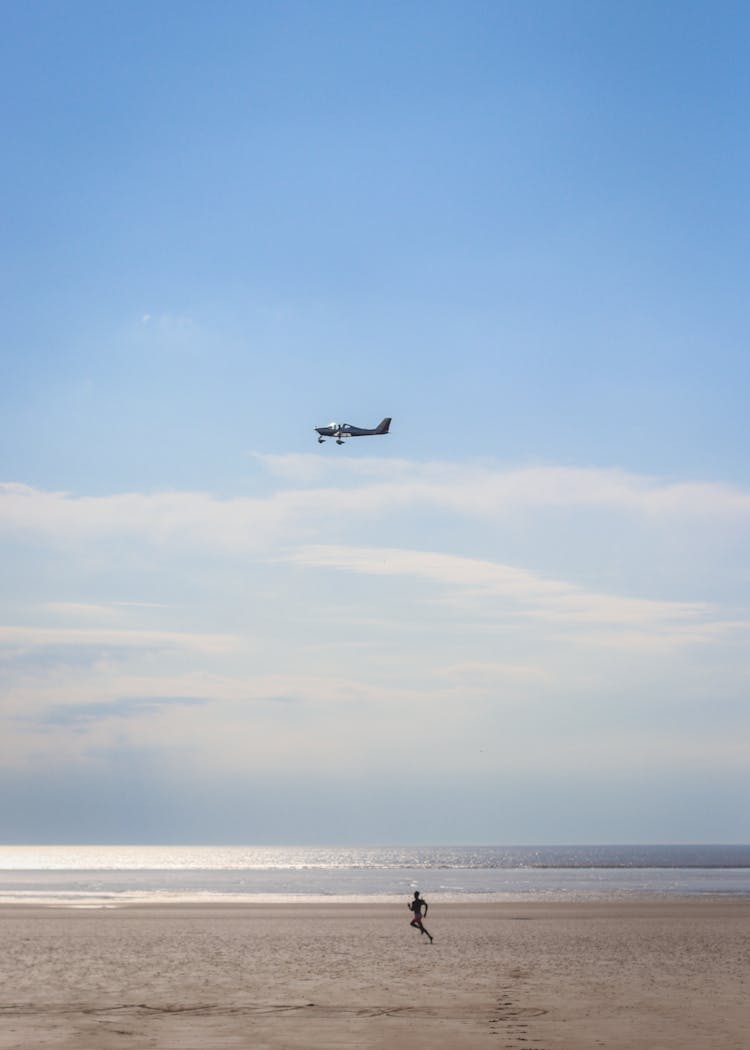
(383, 428)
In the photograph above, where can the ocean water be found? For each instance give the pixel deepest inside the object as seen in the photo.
(111, 875)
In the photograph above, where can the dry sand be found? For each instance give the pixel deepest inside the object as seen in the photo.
(533, 976)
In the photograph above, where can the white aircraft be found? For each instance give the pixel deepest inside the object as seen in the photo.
(341, 431)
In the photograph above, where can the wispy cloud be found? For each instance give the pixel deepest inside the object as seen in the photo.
(179, 520)
(123, 707)
(98, 611)
(374, 486)
(168, 324)
(534, 595)
(489, 489)
(99, 637)
(92, 611)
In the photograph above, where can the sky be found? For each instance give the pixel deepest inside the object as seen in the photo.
(518, 228)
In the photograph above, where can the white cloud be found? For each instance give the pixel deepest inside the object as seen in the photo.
(288, 524)
(530, 594)
(296, 674)
(167, 517)
(92, 611)
(362, 491)
(490, 490)
(25, 638)
(99, 611)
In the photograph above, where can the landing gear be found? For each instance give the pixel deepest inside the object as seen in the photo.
(321, 440)
(339, 441)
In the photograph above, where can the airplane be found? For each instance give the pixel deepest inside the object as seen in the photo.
(341, 431)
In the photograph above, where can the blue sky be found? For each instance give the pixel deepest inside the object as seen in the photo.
(520, 229)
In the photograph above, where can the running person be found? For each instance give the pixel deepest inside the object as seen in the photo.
(416, 906)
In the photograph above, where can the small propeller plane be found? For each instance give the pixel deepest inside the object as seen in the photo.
(341, 431)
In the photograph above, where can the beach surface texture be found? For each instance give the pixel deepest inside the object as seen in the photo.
(632, 975)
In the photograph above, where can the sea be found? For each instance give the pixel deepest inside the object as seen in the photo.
(109, 876)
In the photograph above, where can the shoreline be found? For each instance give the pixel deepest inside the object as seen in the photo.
(446, 903)
(677, 904)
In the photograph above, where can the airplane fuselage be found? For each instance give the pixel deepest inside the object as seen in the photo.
(341, 431)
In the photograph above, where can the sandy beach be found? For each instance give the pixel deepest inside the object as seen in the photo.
(507, 976)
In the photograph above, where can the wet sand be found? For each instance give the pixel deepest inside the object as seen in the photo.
(636, 975)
